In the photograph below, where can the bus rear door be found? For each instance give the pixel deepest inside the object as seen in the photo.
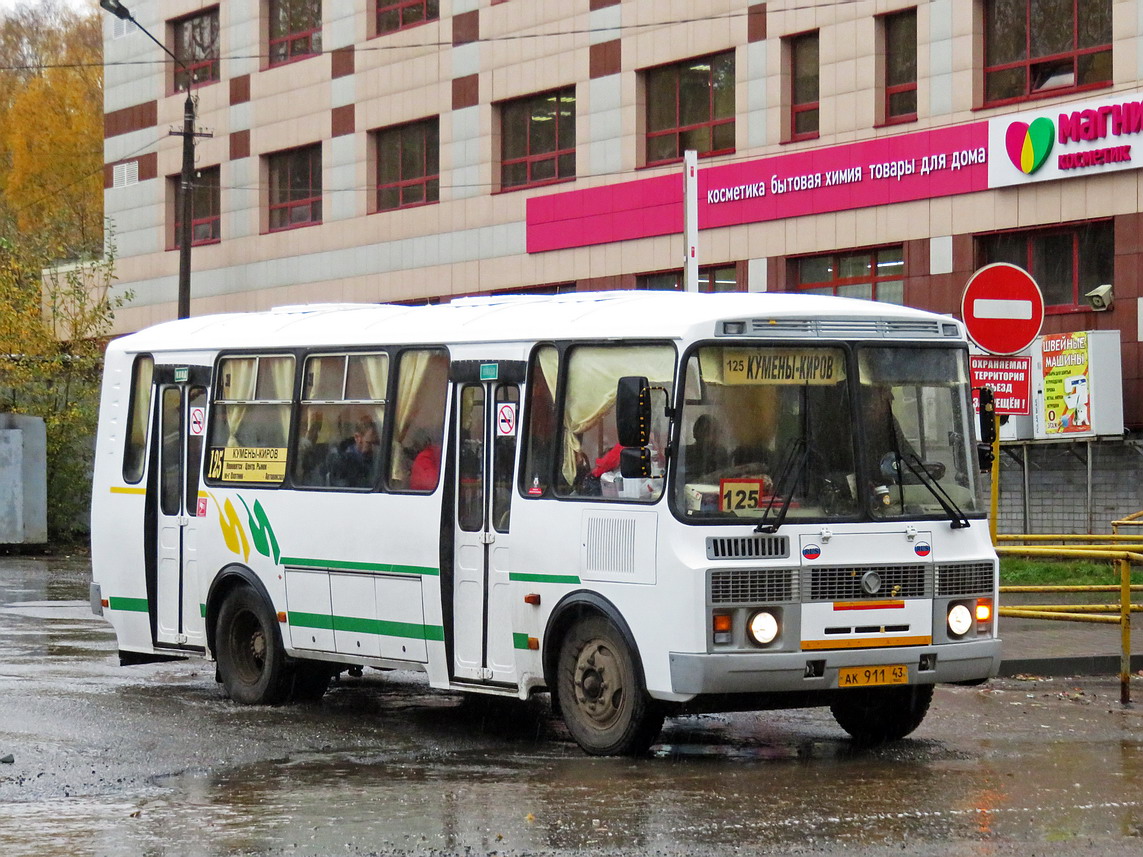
(485, 444)
(176, 614)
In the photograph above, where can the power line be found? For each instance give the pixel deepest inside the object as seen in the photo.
(381, 47)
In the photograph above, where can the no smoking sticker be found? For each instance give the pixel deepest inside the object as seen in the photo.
(506, 421)
(197, 421)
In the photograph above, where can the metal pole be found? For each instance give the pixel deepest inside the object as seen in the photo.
(186, 184)
(994, 499)
(1125, 630)
(690, 220)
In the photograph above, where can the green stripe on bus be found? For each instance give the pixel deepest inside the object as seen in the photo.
(378, 627)
(322, 621)
(544, 578)
(128, 605)
(519, 641)
(382, 567)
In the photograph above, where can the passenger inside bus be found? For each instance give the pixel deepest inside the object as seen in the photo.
(426, 458)
(706, 455)
(355, 461)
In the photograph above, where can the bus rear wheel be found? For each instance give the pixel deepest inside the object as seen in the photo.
(251, 659)
(601, 696)
(879, 714)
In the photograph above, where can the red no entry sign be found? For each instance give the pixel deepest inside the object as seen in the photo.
(1002, 308)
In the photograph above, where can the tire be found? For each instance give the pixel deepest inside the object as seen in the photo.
(248, 645)
(877, 715)
(601, 694)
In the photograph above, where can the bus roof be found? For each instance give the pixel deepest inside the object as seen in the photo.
(580, 315)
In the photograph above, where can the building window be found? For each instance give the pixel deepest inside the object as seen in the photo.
(195, 39)
(537, 139)
(715, 279)
(405, 13)
(805, 74)
(690, 105)
(900, 35)
(1034, 48)
(206, 208)
(408, 165)
(875, 274)
(295, 29)
(1066, 262)
(295, 188)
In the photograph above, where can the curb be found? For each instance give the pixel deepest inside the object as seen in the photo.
(1064, 666)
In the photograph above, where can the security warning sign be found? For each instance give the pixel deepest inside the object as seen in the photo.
(1009, 378)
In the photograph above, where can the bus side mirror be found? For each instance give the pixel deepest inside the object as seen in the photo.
(633, 411)
(987, 429)
(635, 462)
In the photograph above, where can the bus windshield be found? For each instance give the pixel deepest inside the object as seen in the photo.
(915, 421)
(766, 429)
(772, 433)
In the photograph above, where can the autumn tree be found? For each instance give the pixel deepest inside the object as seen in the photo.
(55, 275)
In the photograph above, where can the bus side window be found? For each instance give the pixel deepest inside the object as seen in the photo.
(135, 448)
(340, 420)
(250, 420)
(540, 435)
(589, 463)
(418, 419)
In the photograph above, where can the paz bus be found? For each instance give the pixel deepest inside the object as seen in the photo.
(641, 503)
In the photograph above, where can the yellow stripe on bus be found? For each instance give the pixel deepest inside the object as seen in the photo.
(865, 643)
(868, 605)
(123, 489)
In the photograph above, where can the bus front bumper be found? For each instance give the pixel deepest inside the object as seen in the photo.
(754, 672)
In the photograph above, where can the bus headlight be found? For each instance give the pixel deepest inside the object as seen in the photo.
(960, 620)
(763, 627)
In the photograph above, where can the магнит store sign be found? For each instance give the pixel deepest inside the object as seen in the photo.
(1065, 141)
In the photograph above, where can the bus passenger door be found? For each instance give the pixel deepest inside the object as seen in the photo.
(182, 426)
(486, 456)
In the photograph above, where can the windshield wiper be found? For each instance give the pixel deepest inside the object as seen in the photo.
(792, 469)
(794, 464)
(957, 519)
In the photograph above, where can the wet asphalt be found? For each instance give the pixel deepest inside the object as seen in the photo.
(154, 760)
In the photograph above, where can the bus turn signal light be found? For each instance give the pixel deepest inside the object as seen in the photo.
(723, 624)
(984, 610)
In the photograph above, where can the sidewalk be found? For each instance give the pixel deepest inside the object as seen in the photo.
(1054, 648)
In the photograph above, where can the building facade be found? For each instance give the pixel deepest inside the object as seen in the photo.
(368, 150)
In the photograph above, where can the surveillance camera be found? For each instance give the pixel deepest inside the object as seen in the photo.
(1100, 298)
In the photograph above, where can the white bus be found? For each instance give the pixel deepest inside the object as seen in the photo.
(643, 503)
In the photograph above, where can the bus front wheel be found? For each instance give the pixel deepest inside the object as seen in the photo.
(601, 696)
(251, 659)
(879, 714)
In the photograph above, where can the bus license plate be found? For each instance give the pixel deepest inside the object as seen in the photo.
(871, 676)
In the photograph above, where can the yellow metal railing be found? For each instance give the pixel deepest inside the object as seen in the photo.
(1122, 550)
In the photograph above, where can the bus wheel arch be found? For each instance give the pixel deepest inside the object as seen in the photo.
(592, 667)
(227, 579)
(246, 640)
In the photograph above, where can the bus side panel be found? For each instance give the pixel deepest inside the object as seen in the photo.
(357, 575)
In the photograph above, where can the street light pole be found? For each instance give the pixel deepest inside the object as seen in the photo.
(186, 178)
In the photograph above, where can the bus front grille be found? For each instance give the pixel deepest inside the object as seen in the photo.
(753, 585)
(841, 583)
(747, 547)
(964, 578)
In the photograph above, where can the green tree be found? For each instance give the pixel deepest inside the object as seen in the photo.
(56, 305)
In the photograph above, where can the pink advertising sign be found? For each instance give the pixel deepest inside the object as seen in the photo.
(901, 168)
